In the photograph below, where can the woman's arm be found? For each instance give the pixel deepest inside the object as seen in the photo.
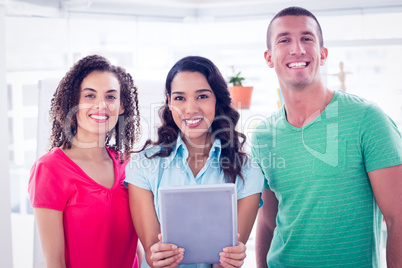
(247, 209)
(148, 229)
(51, 233)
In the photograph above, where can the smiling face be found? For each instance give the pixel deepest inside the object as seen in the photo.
(295, 53)
(192, 103)
(99, 105)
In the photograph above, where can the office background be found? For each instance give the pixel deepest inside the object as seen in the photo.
(41, 39)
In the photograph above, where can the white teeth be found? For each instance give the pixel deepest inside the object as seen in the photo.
(99, 117)
(194, 121)
(297, 64)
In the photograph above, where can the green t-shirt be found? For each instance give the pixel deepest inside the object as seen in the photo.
(327, 214)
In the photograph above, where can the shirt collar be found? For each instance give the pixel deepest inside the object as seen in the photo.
(181, 148)
(216, 149)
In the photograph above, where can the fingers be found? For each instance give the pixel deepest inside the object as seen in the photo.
(166, 255)
(233, 256)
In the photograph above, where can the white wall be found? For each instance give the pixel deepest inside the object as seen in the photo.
(5, 208)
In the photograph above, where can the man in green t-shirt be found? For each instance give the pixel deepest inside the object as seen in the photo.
(332, 163)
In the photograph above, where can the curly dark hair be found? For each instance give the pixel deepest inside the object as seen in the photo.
(64, 106)
(223, 127)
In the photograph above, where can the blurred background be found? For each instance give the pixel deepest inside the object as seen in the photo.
(41, 39)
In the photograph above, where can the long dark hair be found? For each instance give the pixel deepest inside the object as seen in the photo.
(66, 98)
(223, 127)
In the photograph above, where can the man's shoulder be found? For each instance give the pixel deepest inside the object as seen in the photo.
(349, 99)
(267, 127)
(271, 120)
(353, 106)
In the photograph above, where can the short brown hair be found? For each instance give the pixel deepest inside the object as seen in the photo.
(294, 11)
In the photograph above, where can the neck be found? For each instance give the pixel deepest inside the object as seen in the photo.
(199, 146)
(89, 146)
(303, 105)
(95, 153)
(88, 140)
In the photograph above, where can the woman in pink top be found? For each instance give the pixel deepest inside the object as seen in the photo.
(76, 189)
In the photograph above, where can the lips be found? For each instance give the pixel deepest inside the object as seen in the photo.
(193, 122)
(99, 118)
(298, 65)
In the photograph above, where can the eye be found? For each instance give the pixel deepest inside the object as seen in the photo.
(307, 39)
(179, 98)
(89, 96)
(203, 96)
(283, 41)
(111, 97)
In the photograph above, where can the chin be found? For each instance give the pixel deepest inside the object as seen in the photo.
(194, 136)
(299, 84)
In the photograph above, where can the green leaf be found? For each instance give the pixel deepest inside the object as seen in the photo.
(236, 79)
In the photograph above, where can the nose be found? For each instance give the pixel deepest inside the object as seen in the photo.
(101, 104)
(191, 107)
(297, 49)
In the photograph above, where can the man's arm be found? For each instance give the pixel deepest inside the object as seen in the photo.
(266, 223)
(387, 188)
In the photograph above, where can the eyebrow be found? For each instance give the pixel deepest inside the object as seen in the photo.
(308, 33)
(281, 35)
(93, 90)
(288, 33)
(197, 91)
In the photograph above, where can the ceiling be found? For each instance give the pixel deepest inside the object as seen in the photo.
(180, 9)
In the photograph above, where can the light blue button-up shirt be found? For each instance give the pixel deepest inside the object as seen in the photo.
(173, 170)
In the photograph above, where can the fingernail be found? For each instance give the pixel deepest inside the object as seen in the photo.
(174, 246)
(225, 250)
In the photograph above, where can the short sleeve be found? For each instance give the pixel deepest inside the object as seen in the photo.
(253, 180)
(45, 188)
(380, 139)
(254, 147)
(255, 152)
(138, 171)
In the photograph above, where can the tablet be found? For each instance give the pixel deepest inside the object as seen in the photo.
(202, 219)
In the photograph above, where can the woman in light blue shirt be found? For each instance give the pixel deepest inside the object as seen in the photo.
(197, 144)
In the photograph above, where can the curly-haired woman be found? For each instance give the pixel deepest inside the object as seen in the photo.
(197, 144)
(76, 189)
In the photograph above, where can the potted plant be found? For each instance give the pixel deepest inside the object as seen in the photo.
(241, 95)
